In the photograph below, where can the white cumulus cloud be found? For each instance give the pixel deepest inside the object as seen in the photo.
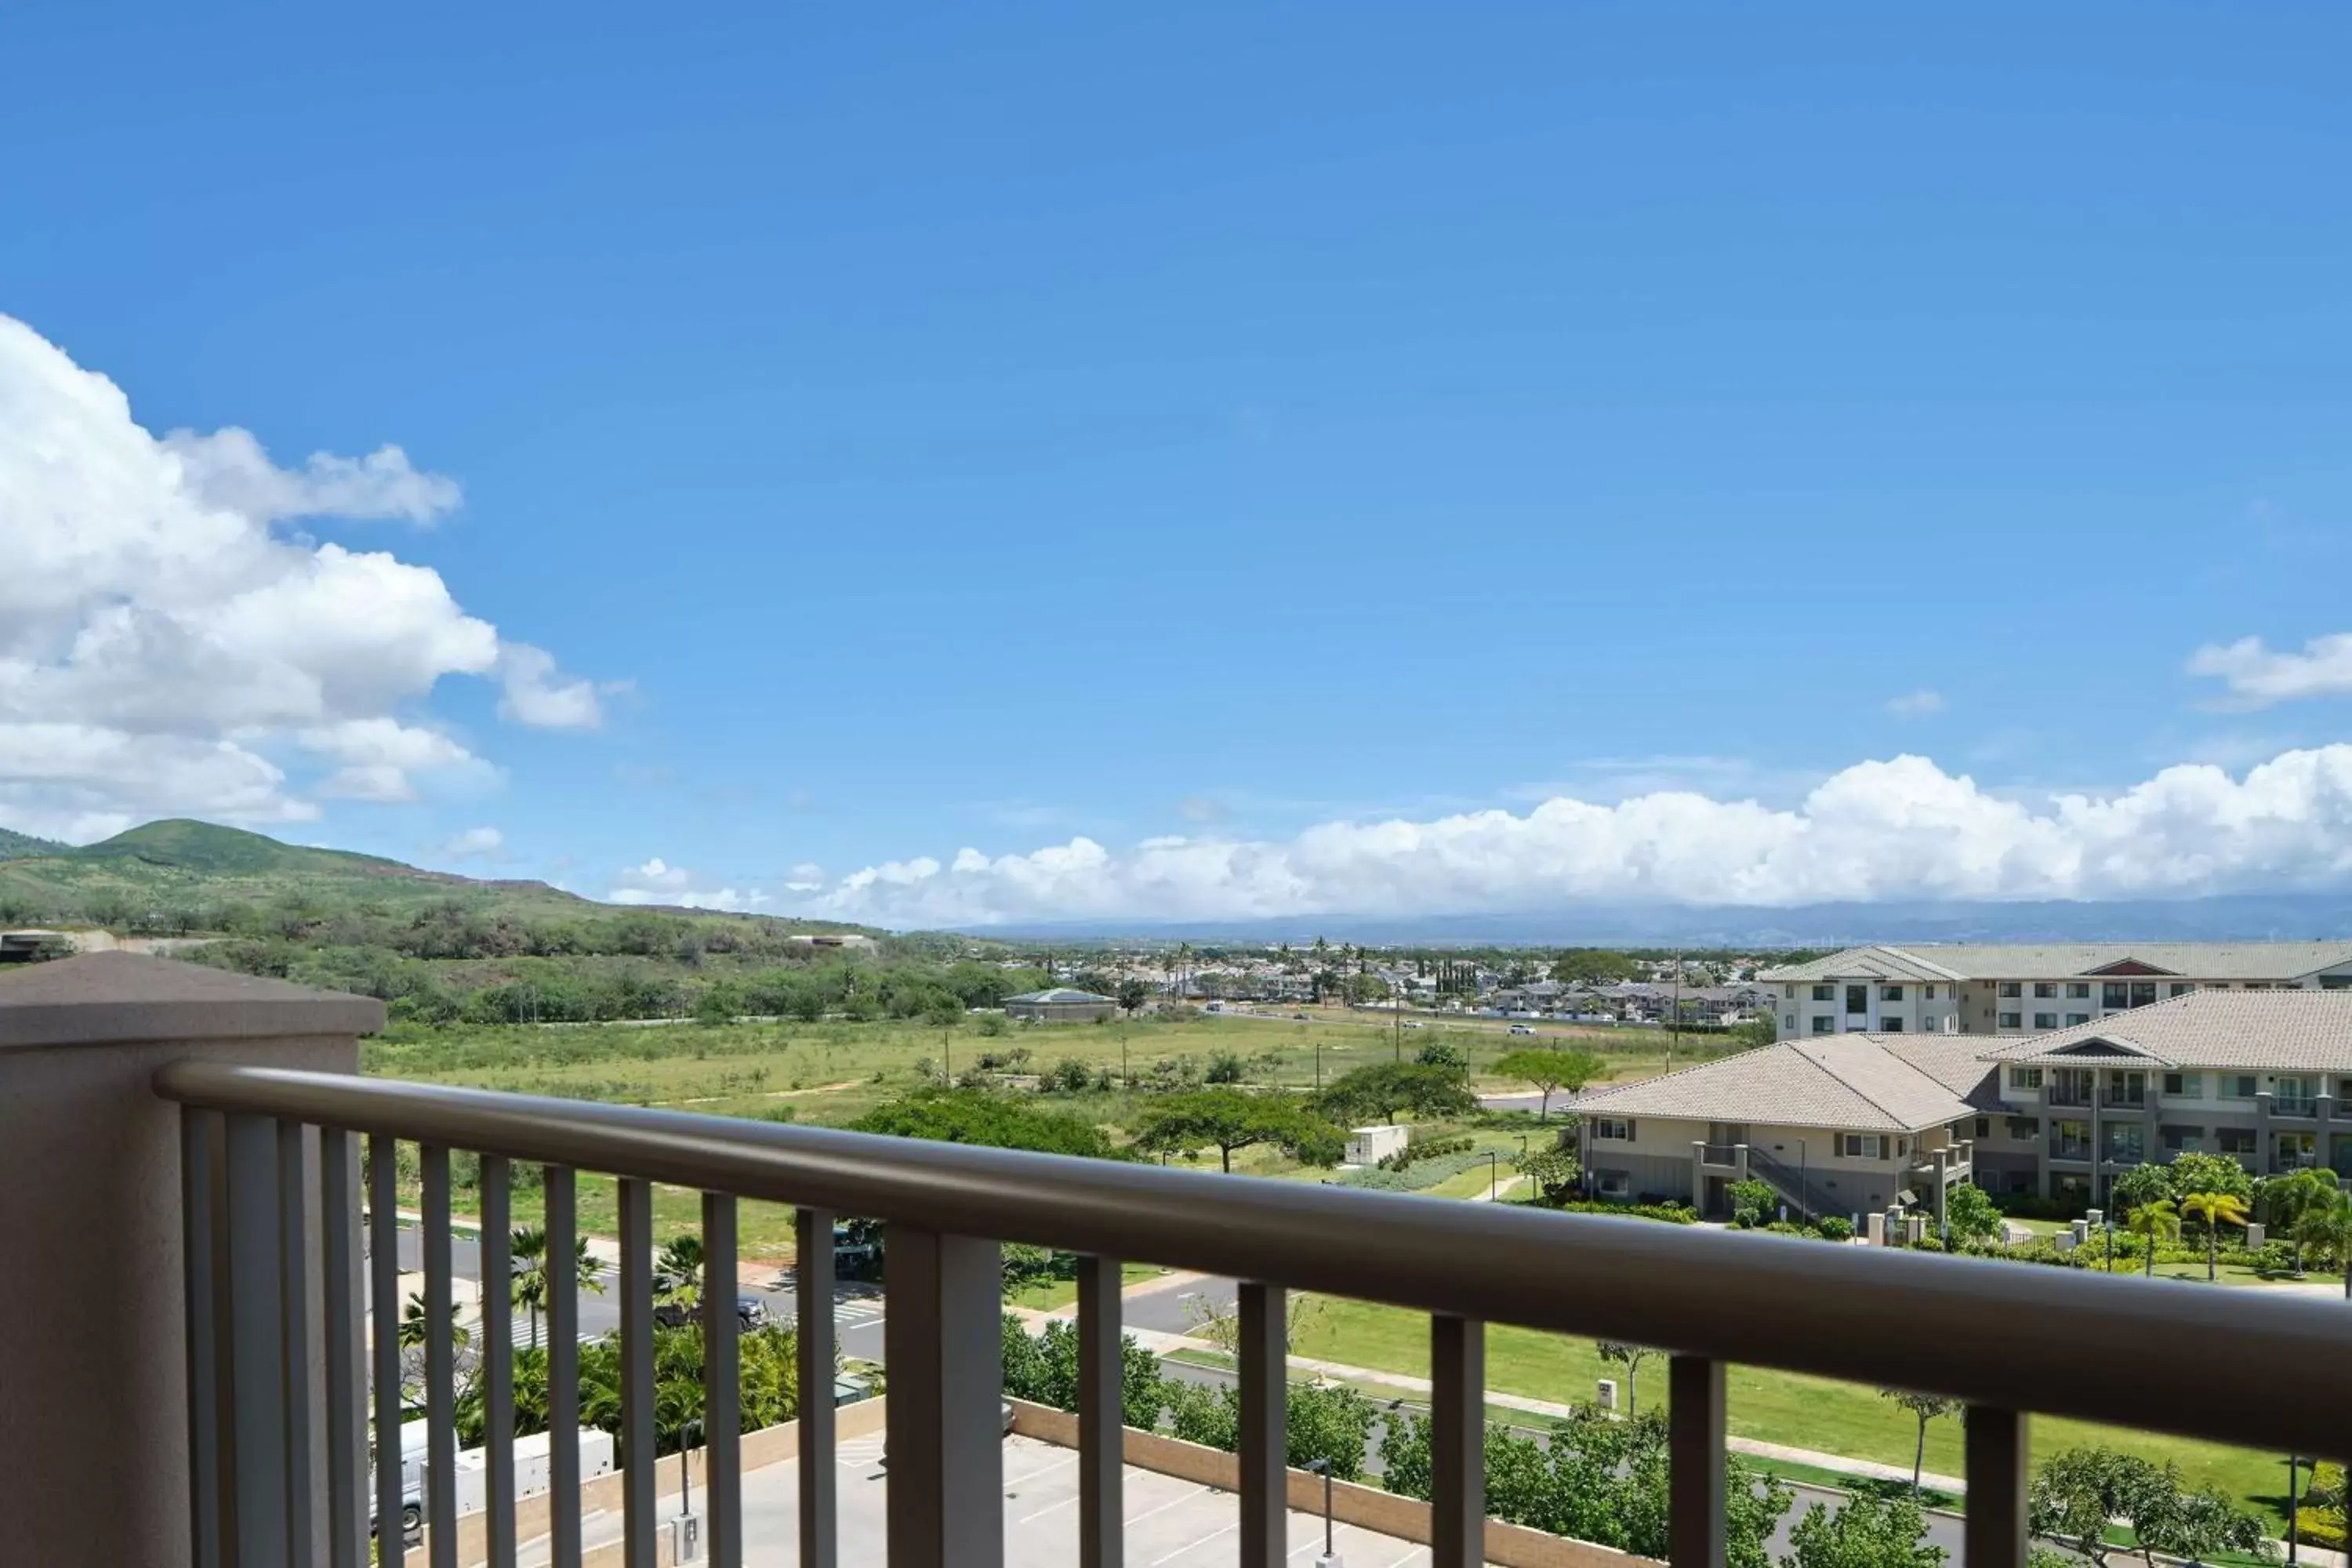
(476, 844)
(2258, 678)
(1899, 828)
(659, 882)
(164, 649)
(1913, 704)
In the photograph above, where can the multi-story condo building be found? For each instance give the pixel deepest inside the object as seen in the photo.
(1852, 1124)
(2031, 990)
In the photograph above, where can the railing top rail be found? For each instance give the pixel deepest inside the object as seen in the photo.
(1990, 1333)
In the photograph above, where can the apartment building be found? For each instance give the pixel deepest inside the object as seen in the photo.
(2031, 989)
(1853, 1122)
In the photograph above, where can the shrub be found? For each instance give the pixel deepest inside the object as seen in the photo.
(1225, 1066)
(2272, 1259)
(1835, 1228)
(1672, 1214)
(1751, 1200)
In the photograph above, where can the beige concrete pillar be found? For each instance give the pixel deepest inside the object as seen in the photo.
(93, 1388)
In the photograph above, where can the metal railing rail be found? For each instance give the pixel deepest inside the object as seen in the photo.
(1939, 1324)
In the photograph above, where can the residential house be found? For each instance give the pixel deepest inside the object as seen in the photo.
(1061, 1005)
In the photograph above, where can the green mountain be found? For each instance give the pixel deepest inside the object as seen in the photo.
(16, 845)
(179, 876)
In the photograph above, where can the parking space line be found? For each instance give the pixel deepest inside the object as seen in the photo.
(1163, 1508)
(1041, 1470)
(1049, 1508)
(1191, 1544)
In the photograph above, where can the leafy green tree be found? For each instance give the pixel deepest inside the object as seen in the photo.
(1553, 1170)
(2143, 1182)
(2202, 1172)
(1550, 1071)
(1924, 1408)
(770, 1386)
(1751, 1201)
(1386, 1089)
(1970, 1214)
(1866, 1532)
(1617, 1352)
(1044, 1370)
(2214, 1210)
(1593, 966)
(2285, 1198)
(978, 1116)
(1133, 994)
(1231, 1118)
(2077, 1493)
(2155, 1221)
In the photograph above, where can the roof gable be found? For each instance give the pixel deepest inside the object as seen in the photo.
(2130, 966)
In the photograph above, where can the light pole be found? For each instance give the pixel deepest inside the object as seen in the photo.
(1494, 1176)
(2293, 1463)
(1330, 1559)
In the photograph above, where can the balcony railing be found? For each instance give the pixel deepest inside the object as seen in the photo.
(1940, 1324)
(1719, 1156)
(2303, 1109)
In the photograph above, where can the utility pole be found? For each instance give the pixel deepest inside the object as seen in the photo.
(1675, 1023)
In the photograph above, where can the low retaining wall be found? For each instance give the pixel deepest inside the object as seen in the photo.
(768, 1446)
(1368, 1507)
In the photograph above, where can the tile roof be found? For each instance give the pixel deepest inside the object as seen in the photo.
(2192, 960)
(1061, 994)
(1953, 1060)
(2309, 1031)
(1833, 1080)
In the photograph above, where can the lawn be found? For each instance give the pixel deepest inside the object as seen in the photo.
(1774, 1406)
(1052, 1295)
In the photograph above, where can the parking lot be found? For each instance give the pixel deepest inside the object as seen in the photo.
(1169, 1523)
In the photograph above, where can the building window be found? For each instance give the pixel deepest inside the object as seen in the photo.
(2183, 1139)
(2078, 990)
(1612, 1184)
(2183, 988)
(2074, 1018)
(2045, 1020)
(2295, 1151)
(1789, 1022)
(1612, 1128)
(1928, 991)
(2044, 989)
(1824, 1024)
(2234, 1140)
(1890, 994)
(2241, 1086)
(2296, 1096)
(1984, 1126)
(2184, 1086)
(2013, 1020)
(2127, 1143)
(1824, 993)
(2011, 988)
(2074, 1141)
(1861, 1145)
(2022, 1128)
(1857, 998)
(2025, 1078)
(1789, 993)
(1891, 1025)
(2143, 992)
(2114, 993)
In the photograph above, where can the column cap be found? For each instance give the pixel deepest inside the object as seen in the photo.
(121, 998)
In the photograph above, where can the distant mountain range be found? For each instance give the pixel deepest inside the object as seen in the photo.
(192, 866)
(2237, 918)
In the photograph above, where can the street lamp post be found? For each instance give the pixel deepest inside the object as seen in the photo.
(1331, 1558)
(2293, 1463)
(1493, 1177)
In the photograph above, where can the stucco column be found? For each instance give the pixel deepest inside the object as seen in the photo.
(2262, 1099)
(1698, 1178)
(94, 1420)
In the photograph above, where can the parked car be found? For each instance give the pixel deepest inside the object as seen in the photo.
(1521, 1029)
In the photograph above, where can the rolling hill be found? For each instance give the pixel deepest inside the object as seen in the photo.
(178, 874)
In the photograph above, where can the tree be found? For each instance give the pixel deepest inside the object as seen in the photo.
(1593, 966)
(1386, 1088)
(2202, 1173)
(2078, 1492)
(1616, 1352)
(1924, 1408)
(1044, 1369)
(528, 1248)
(678, 1273)
(1133, 994)
(2154, 1221)
(1218, 1320)
(2143, 1182)
(1553, 1170)
(1969, 1216)
(1751, 1201)
(1231, 1118)
(1866, 1532)
(2215, 1210)
(2326, 1224)
(978, 1116)
(1550, 1072)
(2285, 1198)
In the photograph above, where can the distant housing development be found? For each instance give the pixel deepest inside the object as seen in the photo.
(1855, 1122)
(2019, 990)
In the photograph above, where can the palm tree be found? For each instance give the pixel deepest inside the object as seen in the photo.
(528, 1248)
(412, 1322)
(2286, 1197)
(2154, 1221)
(2327, 1223)
(2215, 1210)
(678, 1273)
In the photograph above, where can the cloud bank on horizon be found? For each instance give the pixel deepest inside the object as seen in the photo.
(1899, 828)
(164, 650)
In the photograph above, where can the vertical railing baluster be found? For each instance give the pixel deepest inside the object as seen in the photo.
(1994, 1535)
(343, 1332)
(1102, 1416)
(257, 1381)
(722, 1385)
(814, 1347)
(497, 1353)
(563, 1366)
(294, 1310)
(1457, 1369)
(440, 1364)
(383, 1327)
(199, 1233)
(1265, 1390)
(637, 1520)
(943, 1340)
(1694, 1478)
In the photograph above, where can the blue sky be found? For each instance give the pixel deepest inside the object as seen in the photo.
(955, 429)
